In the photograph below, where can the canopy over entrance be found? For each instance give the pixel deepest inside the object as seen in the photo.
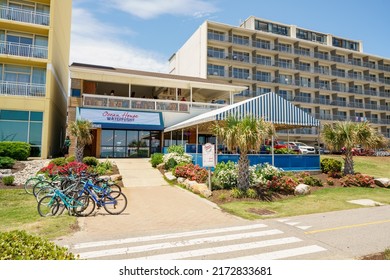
(270, 106)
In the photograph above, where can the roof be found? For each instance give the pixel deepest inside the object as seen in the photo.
(108, 69)
(270, 106)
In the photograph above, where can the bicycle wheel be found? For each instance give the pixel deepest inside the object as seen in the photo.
(83, 206)
(115, 203)
(44, 191)
(30, 183)
(48, 206)
(39, 185)
(114, 188)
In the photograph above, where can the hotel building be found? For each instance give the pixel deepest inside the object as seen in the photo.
(34, 59)
(325, 75)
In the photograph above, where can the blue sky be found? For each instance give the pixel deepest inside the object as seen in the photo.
(143, 34)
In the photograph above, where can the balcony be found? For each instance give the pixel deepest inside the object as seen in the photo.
(24, 50)
(100, 101)
(22, 89)
(23, 15)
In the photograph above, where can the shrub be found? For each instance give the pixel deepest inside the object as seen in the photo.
(251, 193)
(330, 165)
(335, 175)
(70, 159)
(225, 175)
(330, 181)
(282, 185)
(357, 180)
(172, 159)
(19, 245)
(311, 181)
(267, 171)
(61, 161)
(8, 180)
(103, 168)
(15, 150)
(192, 172)
(156, 159)
(6, 162)
(176, 149)
(237, 193)
(91, 161)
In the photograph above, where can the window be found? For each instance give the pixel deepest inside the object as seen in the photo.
(22, 126)
(241, 40)
(215, 52)
(286, 94)
(324, 84)
(285, 79)
(264, 60)
(240, 73)
(304, 82)
(240, 56)
(303, 97)
(216, 35)
(285, 63)
(262, 44)
(215, 70)
(263, 76)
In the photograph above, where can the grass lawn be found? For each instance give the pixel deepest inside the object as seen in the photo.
(18, 210)
(374, 166)
(324, 200)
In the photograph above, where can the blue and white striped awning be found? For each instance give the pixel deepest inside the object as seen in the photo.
(270, 106)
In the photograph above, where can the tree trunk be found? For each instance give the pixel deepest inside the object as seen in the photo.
(243, 172)
(79, 154)
(348, 163)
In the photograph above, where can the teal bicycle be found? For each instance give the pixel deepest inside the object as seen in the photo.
(55, 203)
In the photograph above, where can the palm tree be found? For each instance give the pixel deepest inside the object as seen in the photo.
(81, 130)
(245, 134)
(347, 135)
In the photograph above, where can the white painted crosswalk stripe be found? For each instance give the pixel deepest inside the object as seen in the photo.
(277, 255)
(177, 244)
(222, 249)
(165, 236)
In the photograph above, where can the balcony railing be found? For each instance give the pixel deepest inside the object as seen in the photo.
(22, 89)
(90, 100)
(23, 15)
(23, 50)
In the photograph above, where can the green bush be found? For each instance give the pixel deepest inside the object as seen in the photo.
(103, 168)
(6, 162)
(8, 180)
(251, 193)
(311, 181)
(70, 159)
(91, 161)
(171, 164)
(156, 159)
(176, 149)
(61, 161)
(237, 193)
(19, 245)
(330, 165)
(15, 150)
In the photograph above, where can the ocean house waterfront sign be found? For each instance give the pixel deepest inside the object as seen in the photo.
(122, 119)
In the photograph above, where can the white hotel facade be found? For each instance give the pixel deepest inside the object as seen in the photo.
(329, 77)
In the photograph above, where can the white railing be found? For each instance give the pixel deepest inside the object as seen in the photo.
(105, 101)
(23, 50)
(22, 89)
(23, 15)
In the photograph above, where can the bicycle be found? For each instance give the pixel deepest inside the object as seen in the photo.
(113, 202)
(49, 205)
(32, 181)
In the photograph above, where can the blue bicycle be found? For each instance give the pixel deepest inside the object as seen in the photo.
(114, 202)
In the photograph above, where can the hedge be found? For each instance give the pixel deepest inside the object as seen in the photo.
(15, 150)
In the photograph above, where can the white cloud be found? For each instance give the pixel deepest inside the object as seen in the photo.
(154, 8)
(96, 42)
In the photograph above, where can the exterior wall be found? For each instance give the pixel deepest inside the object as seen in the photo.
(189, 64)
(53, 103)
(331, 88)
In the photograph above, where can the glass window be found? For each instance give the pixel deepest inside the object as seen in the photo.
(36, 116)
(41, 41)
(106, 152)
(14, 115)
(132, 138)
(13, 131)
(107, 138)
(120, 138)
(39, 76)
(35, 133)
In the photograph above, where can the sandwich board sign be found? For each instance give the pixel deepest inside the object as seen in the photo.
(208, 155)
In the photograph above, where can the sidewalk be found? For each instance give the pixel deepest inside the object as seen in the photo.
(154, 207)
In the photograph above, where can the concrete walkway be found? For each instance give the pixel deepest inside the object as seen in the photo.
(154, 207)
